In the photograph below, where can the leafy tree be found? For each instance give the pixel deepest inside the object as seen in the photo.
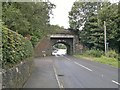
(60, 46)
(53, 29)
(28, 18)
(91, 35)
(91, 20)
(81, 12)
(14, 19)
(109, 14)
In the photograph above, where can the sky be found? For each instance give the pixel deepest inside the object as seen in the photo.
(60, 13)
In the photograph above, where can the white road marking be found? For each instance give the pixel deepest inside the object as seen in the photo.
(115, 82)
(83, 66)
(58, 81)
(79, 64)
(90, 70)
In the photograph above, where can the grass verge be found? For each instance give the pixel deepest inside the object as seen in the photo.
(103, 59)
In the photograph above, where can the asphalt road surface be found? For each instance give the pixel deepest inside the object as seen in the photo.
(71, 72)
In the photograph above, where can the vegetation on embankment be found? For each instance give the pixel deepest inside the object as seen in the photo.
(112, 58)
(29, 19)
(15, 48)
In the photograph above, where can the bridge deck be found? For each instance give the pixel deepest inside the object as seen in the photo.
(61, 36)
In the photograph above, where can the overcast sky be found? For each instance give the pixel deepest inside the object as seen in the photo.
(61, 12)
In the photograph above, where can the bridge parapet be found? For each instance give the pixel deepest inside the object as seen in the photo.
(61, 36)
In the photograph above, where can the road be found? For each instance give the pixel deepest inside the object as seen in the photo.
(71, 72)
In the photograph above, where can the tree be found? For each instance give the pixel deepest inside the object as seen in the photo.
(109, 13)
(28, 18)
(14, 18)
(81, 12)
(91, 35)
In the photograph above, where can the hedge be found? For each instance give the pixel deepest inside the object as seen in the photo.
(15, 48)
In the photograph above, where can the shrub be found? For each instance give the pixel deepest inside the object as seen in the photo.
(15, 48)
(94, 53)
(112, 54)
(34, 40)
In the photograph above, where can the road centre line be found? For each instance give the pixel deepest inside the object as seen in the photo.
(83, 66)
(58, 81)
(79, 64)
(115, 82)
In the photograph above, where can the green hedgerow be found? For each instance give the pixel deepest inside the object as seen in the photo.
(15, 48)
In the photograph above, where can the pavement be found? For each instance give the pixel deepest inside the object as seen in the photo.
(71, 72)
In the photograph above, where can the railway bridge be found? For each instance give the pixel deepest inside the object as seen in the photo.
(66, 37)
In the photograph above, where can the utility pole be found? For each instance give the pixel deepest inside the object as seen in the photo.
(105, 36)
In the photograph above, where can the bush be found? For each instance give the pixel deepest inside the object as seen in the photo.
(15, 48)
(94, 53)
(112, 54)
(34, 40)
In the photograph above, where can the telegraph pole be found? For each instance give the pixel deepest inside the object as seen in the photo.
(105, 36)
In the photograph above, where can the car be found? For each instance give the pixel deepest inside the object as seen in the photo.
(59, 52)
(54, 53)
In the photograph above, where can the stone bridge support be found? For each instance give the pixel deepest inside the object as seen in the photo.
(44, 47)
